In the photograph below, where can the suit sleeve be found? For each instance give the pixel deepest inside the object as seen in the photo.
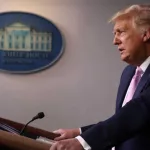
(122, 125)
(83, 129)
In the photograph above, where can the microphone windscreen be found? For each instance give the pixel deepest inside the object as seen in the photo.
(41, 115)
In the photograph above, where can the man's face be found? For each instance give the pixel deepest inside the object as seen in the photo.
(129, 41)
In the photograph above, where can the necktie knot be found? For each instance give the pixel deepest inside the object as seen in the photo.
(138, 72)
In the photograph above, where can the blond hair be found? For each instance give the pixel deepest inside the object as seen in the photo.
(139, 14)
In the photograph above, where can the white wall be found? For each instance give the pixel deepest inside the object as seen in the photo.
(81, 88)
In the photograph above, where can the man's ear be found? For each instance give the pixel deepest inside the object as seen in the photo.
(146, 35)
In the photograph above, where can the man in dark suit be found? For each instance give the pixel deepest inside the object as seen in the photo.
(129, 127)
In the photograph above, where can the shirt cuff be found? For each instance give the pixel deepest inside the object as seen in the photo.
(83, 143)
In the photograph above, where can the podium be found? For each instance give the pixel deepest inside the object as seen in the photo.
(11, 141)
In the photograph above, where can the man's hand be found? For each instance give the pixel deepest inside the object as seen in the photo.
(66, 133)
(69, 144)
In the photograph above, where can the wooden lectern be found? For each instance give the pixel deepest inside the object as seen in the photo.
(10, 141)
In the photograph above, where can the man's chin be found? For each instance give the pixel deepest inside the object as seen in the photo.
(125, 59)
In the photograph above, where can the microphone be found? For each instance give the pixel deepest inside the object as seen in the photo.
(40, 115)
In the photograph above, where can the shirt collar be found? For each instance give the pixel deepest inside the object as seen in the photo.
(145, 64)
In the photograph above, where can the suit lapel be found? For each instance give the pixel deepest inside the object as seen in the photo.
(124, 86)
(143, 81)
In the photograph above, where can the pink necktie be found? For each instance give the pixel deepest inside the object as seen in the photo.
(133, 84)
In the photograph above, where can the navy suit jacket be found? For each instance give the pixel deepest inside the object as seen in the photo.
(129, 127)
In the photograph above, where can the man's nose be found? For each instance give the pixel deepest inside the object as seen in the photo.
(116, 41)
